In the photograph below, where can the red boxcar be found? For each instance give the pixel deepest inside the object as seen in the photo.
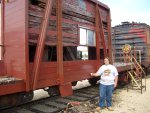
(51, 44)
(135, 34)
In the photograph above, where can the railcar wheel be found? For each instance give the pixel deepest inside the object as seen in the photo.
(53, 91)
(26, 96)
(74, 83)
(93, 81)
(7, 101)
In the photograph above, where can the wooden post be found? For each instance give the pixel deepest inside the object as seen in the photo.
(102, 33)
(65, 88)
(97, 36)
(2, 28)
(109, 37)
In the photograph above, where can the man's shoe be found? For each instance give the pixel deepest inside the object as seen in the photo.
(98, 108)
(110, 109)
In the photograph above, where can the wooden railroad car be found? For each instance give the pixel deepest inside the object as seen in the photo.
(50, 44)
(137, 35)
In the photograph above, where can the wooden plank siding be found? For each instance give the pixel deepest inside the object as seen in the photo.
(23, 21)
(15, 39)
(75, 14)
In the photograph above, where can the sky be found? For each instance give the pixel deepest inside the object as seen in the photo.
(128, 10)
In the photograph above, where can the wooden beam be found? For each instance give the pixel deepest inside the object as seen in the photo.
(40, 44)
(2, 27)
(59, 42)
(109, 36)
(64, 88)
(27, 74)
(102, 32)
(97, 36)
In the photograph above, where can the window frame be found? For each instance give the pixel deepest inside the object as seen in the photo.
(87, 29)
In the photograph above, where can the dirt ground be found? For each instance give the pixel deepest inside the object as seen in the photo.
(127, 102)
(132, 101)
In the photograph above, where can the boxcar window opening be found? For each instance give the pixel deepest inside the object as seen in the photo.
(50, 53)
(34, 2)
(38, 3)
(91, 38)
(87, 48)
(83, 36)
(87, 37)
(69, 53)
(82, 53)
(92, 53)
(32, 49)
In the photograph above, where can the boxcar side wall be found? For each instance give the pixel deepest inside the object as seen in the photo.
(136, 35)
(76, 14)
(23, 20)
(15, 40)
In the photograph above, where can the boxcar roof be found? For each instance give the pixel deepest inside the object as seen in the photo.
(101, 4)
(95, 1)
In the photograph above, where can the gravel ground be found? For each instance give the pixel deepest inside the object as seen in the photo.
(125, 102)
(128, 102)
(132, 101)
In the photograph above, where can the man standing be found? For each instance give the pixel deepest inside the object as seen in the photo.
(109, 79)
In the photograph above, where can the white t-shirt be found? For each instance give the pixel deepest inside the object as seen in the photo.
(108, 74)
